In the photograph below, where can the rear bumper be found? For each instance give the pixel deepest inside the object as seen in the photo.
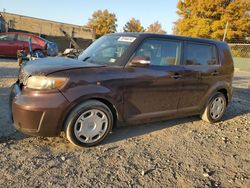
(38, 114)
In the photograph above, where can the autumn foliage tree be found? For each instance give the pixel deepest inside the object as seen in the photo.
(207, 19)
(102, 22)
(155, 27)
(133, 25)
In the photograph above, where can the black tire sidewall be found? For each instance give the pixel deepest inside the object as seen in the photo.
(39, 52)
(210, 103)
(74, 115)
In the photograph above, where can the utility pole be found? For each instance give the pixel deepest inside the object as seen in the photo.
(225, 32)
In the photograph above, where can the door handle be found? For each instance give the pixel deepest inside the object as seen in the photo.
(176, 76)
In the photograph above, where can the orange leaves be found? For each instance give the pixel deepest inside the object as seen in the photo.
(133, 25)
(155, 27)
(203, 18)
(103, 22)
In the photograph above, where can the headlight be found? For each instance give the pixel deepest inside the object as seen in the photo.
(43, 82)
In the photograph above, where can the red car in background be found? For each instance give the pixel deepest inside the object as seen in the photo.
(10, 42)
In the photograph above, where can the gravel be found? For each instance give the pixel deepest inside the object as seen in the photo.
(186, 152)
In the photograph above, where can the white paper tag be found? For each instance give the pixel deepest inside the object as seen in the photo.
(112, 60)
(127, 39)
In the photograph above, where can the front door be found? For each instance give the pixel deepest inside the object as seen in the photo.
(23, 40)
(153, 91)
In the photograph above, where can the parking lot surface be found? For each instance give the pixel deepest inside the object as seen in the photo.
(185, 152)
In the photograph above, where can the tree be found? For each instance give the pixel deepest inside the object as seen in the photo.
(133, 25)
(102, 22)
(156, 27)
(203, 18)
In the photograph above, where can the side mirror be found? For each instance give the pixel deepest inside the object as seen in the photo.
(140, 61)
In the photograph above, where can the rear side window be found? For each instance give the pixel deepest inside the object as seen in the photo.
(161, 52)
(7, 37)
(200, 54)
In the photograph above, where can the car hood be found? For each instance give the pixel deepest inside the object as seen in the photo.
(45, 66)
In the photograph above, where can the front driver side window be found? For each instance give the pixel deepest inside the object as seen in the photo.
(22, 38)
(160, 52)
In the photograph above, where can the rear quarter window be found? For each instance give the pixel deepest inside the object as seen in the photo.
(200, 54)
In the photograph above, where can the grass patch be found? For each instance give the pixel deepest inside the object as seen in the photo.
(242, 63)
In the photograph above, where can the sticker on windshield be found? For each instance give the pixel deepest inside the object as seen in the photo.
(112, 60)
(127, 39)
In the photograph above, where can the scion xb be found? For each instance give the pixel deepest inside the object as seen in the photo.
(123, 77)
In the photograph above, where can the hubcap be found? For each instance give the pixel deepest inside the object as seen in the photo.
(91, 126)
(217, 108)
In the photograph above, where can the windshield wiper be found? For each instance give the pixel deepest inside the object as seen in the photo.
(86, 58)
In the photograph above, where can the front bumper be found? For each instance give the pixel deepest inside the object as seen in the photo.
(37, 113)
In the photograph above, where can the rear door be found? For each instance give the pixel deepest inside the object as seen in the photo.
(8, 46)
(154, 91)
(200, 71)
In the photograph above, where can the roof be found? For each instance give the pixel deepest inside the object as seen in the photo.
(148, 35)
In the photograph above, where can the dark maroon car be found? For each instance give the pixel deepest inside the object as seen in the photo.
(11, 42)
(128, 77)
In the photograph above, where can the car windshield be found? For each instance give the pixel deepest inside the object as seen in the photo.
(107, 50)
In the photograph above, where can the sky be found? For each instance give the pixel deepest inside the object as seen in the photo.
(79, 11)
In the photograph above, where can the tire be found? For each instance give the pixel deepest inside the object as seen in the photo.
(88, 124)
(38, 53)
(215, 109)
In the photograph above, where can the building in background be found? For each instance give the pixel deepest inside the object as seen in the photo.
(65, 35)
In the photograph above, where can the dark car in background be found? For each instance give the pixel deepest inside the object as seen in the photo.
(127, 77)
(11, 42)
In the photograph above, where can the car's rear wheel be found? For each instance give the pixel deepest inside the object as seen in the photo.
(88, 123)
(215, 109)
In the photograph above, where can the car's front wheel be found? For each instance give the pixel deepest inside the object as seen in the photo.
(215, 109)
(38, 54)
(88, 123)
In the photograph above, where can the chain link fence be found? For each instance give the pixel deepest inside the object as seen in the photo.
(241, 55)
(240, 50)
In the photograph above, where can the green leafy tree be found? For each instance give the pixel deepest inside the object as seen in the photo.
(207, 19)
(133, 25)
(156, 27)
(102, 22)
